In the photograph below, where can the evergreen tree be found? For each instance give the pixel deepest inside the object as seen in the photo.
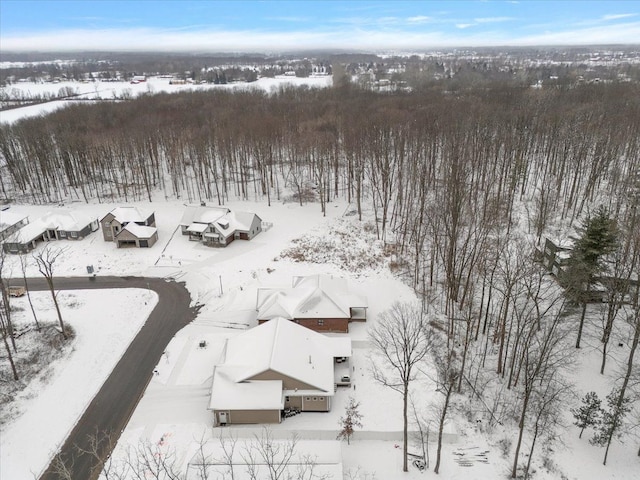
(598, 238)
(350, 420)
(588, 415)
(609, 426)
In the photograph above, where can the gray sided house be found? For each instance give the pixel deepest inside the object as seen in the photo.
(52, 226)
(219, 226)
(118, 218)
(10, 223)
(273, 367)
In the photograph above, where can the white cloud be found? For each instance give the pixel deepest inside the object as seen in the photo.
(465, 25)
(419, 19)
(353, 37)
(619, 15)
(493, 19)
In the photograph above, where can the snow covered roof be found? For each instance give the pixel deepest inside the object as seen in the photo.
(65, 221)
(314, 296)
(258, 395)
(7, 219)
(197, 227)
(202, 214)
(281, 347)
(130, 214)
(140, 231)
(232, 222)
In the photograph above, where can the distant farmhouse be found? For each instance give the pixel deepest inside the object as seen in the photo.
(319, 302)
(130, 227)
(555, 258)
(219, 226)
(11, 222)
(52, 226)
(274, 367)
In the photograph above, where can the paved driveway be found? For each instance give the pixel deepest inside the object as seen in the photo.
(113, 405)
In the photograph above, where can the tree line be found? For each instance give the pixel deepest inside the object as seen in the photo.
(462, 185)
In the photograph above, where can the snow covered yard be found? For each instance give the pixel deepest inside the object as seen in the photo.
(173, 410)
(48, 408)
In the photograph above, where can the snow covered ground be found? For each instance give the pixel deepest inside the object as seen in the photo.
(173, 408)
(51, 404)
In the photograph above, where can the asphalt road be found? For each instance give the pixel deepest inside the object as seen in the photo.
(113, 405)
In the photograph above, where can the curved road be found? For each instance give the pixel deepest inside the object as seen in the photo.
(113, 405)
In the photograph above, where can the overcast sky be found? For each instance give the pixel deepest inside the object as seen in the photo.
(271, 26)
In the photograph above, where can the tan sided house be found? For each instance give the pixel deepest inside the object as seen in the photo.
(319, 302)
(275, 366)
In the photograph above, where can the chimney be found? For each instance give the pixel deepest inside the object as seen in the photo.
(309, 359)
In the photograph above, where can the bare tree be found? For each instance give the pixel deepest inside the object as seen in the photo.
(275, 456)
(350, 420)
(448, 369)
(46, 260)
(23, 269)
(400, 341)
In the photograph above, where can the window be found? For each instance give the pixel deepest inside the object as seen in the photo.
(315, 399)
(320, 322)
(286, 399)
(321, 399)
(74, 234)
(307, 399)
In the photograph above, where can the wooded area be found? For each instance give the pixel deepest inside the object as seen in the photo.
(461, 184)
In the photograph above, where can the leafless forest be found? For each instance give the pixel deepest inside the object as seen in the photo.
(461, 184)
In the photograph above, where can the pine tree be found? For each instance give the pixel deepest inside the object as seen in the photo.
(350, 420)
(609, 426)
(588, 415)
(598, 238)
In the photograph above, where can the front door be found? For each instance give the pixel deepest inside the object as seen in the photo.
(222, 418)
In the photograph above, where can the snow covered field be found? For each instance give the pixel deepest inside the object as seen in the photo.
(110, 90)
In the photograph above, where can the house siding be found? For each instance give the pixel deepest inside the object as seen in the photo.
(126, 236)
(339, 325)
(13, 228)
(239, 417)
(106, 225)
(327, 325)
(315, 403)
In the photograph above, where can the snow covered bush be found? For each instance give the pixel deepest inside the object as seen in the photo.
(344, 243)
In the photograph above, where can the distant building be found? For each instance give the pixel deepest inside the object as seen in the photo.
(219, 226)
(130, 227)
(11, 222)
(319, 302)
(52, 226)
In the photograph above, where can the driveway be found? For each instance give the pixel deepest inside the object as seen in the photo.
(113, 405)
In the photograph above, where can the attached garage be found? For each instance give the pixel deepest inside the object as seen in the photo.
(136, 236)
